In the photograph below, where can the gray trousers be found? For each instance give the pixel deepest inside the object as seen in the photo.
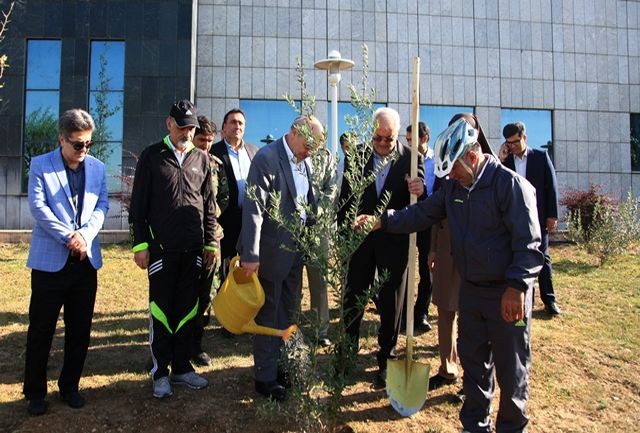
(487, 345)
(319, 299)
(280, 309)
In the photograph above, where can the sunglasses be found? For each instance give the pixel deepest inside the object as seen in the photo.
(79, 145)
(512, 141)
(378, 139)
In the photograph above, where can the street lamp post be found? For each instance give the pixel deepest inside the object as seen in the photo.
(334, 63)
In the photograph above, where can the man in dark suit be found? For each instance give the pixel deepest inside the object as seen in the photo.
(281, 166)
(536, 166)
(236, 156)
(68, 200)
(381, 251)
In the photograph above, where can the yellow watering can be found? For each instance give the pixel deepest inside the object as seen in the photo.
(238, 302)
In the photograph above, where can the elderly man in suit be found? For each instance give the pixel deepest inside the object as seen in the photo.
(536, 166)
(236, 156)
(280, 167)
(68, 200)
(382, 251)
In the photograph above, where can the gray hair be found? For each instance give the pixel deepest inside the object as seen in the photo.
(75, 120)
(389, 113)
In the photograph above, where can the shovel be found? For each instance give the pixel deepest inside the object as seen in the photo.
(408, 380)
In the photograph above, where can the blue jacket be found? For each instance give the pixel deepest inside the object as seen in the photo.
(494, 227)
(52, 208)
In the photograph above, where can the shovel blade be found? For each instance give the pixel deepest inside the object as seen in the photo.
(407, 385)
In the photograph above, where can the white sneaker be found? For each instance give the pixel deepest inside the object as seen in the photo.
(162, 388)
(191, 379)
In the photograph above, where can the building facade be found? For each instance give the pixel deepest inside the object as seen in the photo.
(570, 69)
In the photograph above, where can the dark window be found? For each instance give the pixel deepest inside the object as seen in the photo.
(42, 98)
(106, 99)
(635, 142)
(538, 127)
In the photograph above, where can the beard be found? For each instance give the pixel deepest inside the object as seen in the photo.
(182, 143)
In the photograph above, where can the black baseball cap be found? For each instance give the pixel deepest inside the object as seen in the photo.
(184, 113)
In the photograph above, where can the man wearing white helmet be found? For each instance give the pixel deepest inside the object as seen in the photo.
(495, 236)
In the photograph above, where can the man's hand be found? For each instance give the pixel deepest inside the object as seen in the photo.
(364, 220)
(250, 267)
(415, 186)
(77, 244)
(208, 258)
(552, 224)
(431, 261)
(512, 305)
(142, 259)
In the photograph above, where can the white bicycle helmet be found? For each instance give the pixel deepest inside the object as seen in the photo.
(451, 144)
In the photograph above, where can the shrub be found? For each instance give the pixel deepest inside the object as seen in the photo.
(611, 231)
(583, 204)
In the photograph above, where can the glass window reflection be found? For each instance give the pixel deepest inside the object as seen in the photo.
(106, 100)
(266, 117)
(43, 64)
(537, 123)
(437, 118)
(42, 99)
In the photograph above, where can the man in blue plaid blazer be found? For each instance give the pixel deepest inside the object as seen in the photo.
(68, 200)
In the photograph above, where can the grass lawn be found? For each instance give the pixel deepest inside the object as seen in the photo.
(585, 375)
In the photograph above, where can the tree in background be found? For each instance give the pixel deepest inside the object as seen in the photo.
(40, 135)
(102, 111)
(3, 28)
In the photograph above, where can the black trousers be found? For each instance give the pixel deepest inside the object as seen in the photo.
(377, 253)
(173, 301)
(207, 289)
(73, 287)
(545, 279)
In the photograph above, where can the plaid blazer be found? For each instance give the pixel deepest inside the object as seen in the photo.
(52, 208)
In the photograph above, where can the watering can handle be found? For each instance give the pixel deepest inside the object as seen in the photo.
(240, 277)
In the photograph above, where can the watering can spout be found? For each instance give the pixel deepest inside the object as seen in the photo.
(239, 301)
(253, 328)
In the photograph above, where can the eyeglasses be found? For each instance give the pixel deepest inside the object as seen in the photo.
(79, 145)
(516, 141)
(378, 139)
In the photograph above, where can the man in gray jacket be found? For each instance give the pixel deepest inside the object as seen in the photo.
(279, 167)
(495, 236)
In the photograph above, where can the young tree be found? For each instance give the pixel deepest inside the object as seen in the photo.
(319, 376)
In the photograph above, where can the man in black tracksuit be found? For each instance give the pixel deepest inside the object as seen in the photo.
(172, 219)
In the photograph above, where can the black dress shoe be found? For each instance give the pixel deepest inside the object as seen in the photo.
(73, 399)
(202, 359)
(324, 342)
(284, 378)
(37, 406)
(272, 390)
(552, 309)
(439, 381)
(458, 397)
(423, 324)
(380, 381)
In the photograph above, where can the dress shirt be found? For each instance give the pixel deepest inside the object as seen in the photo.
(300, 171)
(521, 164)
(240, 163)
(429, 171)
(383, 173)
(76, 179)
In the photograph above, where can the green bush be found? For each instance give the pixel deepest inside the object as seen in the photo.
(611, 229)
